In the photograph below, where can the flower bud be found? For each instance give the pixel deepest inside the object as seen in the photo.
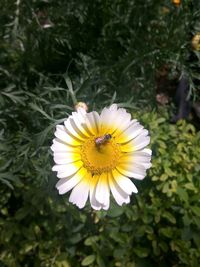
(81, 105)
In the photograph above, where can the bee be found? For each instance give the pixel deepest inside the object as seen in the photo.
(102, 139)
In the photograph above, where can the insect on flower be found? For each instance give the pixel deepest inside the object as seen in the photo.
(103, 139)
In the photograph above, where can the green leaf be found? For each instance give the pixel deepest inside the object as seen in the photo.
(62, 264)
(88, 260)
(190, 186)
(70, 87)
(100, 261)
(40, 110)
(160, 120)
(91, 240)
(141, 252)
(115, 211)
(75, 238)
(167, 231)
(169, 216)
(182, 194)
(196, 210)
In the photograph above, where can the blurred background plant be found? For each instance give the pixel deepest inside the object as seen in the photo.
(129, 52)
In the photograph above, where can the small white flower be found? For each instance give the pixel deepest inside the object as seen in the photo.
(98, 154)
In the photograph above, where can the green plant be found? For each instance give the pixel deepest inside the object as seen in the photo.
(111, 50)
(160, 227)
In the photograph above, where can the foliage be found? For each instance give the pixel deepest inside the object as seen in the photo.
(112, 50)
(159, 228)
(108, 45)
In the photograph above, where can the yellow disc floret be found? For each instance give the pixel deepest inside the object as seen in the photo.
(100, 158)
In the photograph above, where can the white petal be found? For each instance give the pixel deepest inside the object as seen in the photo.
(106, 205)
(84, 125)
(102, 190)
(80, 115)
(106, 119)
(72, 129)
(114, 121)
(79, 121)
(79, 194)
(66, 184)
(93, 183)
(66, 157)
(93, 122)
(67, 170)
(113, 107)
(147, 150)
(141, 157)
(119, 195)
(65, 137)
(142, 140)
(124, 183)
(131, 132)
(132, 170)
(59, 146)
(138, 143)
(122, 122)
(81, 110)
(136, 157)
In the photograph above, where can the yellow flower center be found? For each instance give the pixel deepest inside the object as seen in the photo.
(100, 158)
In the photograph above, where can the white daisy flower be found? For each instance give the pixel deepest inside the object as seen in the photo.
(96, 155)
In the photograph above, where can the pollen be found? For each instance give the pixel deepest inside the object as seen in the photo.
(100, 159)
